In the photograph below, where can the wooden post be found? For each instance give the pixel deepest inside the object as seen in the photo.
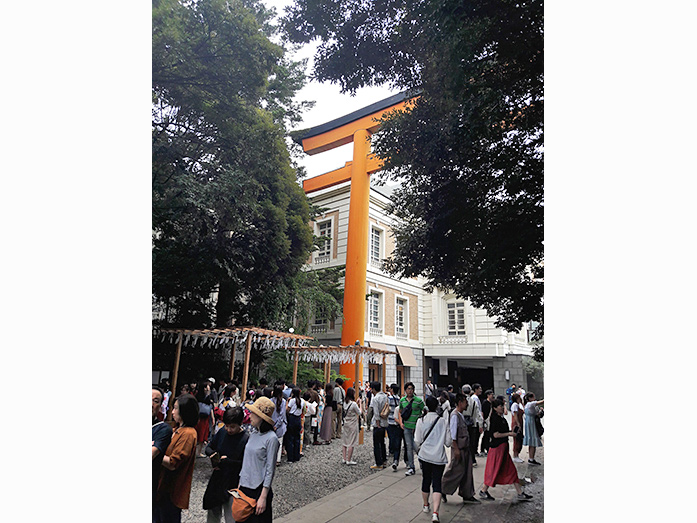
(327, 369)
(356, 378)
(384, 372)
(232, 359)
(247, 354)
(177, 357)
(295, 368)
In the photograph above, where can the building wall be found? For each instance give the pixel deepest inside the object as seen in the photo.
(485, 346)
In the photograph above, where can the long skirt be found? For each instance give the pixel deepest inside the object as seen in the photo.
(202, 430)
(349, 436)
(530, 437)
(325, 431)
(500, 469)
(458, 475)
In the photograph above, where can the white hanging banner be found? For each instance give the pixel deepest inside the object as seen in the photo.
(443, 366)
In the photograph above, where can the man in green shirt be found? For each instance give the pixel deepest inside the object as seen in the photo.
(407, 420)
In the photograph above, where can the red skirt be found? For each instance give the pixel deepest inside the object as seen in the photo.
(500, 469)
(202, 430)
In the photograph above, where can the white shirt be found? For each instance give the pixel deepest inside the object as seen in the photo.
(433, 449)
(294, 409)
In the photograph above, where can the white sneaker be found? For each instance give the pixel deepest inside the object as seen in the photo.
(426, 509)
(410, 472)
(518, 460)
(351, 463)
(434, 518)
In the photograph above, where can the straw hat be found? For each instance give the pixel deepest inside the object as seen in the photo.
(263, 407)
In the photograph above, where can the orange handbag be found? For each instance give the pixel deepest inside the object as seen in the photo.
(242, 505)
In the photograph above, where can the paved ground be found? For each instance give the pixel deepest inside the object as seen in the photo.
(391, 496)
(319, 489)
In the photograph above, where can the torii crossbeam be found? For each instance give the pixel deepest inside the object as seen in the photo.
(356, 127)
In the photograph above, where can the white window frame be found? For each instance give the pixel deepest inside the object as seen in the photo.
(325, 256)
(380, 328)
(455, 309)
(405, 319)
(376, 262)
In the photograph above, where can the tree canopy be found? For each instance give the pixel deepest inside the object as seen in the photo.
(470, 150)
(230, 222)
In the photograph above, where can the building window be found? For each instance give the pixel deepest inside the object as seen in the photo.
(325, 249)
(374, 314)
(375, 244)
(320, 323)
(456, 318)
(401, 318)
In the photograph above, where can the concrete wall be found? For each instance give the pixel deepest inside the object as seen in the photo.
(514, 364)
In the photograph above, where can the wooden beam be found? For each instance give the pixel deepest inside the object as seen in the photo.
(247, 354)
(384, 373)
(340, 175)
(232, 359)
(295, 368)
(177, 357)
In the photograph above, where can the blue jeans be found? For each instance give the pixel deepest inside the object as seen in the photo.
(395, 432)
(409, 441)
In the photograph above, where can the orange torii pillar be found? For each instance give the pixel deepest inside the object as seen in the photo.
(356, 127)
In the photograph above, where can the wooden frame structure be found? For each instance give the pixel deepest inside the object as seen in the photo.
(232, 336)
(340, 354)
(229, 337)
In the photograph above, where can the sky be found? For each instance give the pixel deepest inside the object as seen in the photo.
(330, 103)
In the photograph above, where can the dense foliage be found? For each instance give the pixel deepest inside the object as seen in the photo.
(470, 150)
(230, 222)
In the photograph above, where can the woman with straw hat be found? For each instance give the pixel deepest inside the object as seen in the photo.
(259, 463)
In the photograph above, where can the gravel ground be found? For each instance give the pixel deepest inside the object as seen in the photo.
(532, 511)
(295, 484)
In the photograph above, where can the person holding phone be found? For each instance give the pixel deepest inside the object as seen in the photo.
(226, 451)
(500, 469)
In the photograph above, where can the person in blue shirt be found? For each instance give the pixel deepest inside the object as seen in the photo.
(510, 391)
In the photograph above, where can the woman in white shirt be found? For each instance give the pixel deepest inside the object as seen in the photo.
(517, 421)
(349, 436)
(294, 415)
(430, 439)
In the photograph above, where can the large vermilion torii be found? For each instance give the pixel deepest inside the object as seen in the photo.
(356, 127)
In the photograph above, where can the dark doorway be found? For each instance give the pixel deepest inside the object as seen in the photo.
(485, 377)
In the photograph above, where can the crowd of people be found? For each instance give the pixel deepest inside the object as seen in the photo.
(245, 440)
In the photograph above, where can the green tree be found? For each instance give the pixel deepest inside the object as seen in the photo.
(470, 150)
(230, 221)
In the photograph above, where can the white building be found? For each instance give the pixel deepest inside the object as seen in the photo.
(435, 335)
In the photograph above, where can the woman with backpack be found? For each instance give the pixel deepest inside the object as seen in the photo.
(430, 439)
(349, 435)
